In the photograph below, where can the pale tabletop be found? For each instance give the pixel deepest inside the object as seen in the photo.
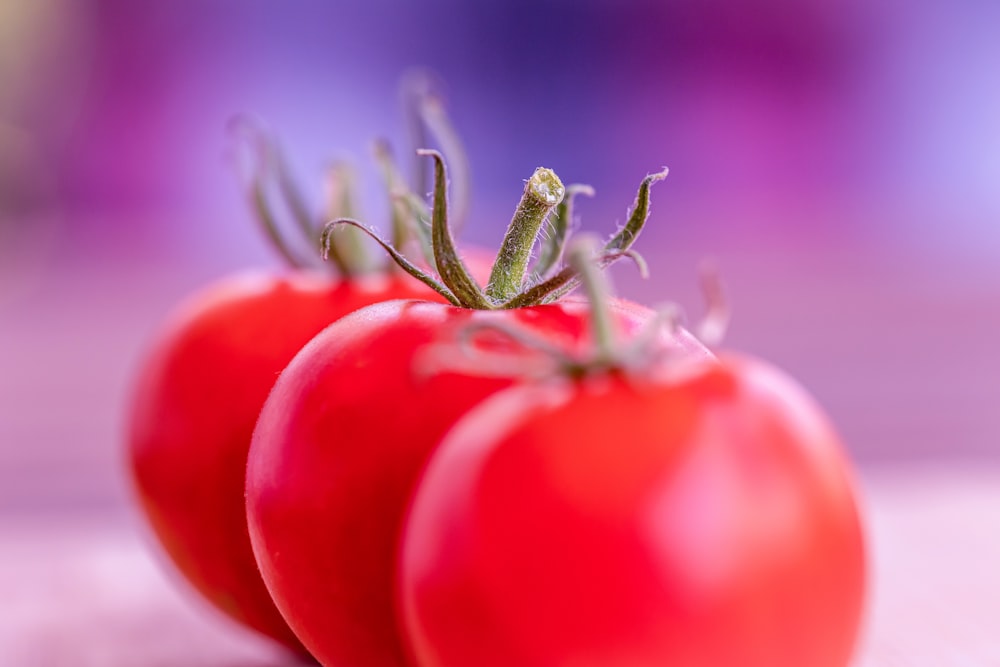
(89, 592)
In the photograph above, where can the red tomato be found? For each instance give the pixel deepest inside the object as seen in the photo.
(337, 449)
(194, 409)
(705, 520)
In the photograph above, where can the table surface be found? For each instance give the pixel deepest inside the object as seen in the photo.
(88, 591)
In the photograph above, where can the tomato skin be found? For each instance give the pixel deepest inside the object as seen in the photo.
(339, 443)
(706, 520)
(194, 407)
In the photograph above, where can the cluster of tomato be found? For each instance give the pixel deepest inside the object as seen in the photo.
(390, 468)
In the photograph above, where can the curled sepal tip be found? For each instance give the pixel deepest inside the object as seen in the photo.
(326, 240)
(627, 235)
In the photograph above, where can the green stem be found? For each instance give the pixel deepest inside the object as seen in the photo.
(543, 192)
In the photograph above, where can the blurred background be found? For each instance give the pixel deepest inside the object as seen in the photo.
(839, 161)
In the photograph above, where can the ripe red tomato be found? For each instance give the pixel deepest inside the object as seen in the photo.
(337, 448)
(193, 412)
(708, 519)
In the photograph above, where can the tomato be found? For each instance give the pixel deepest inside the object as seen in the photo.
(338, 446)
(704, 519)
(193, 411)
(200, 391)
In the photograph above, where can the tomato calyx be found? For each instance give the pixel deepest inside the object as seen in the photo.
(642, 355)
(537, 358)
(269, 187)
(546, 206)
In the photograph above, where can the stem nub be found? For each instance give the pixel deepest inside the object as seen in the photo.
(542, 193)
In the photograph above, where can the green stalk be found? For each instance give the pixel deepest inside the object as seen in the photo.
(542, 193)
